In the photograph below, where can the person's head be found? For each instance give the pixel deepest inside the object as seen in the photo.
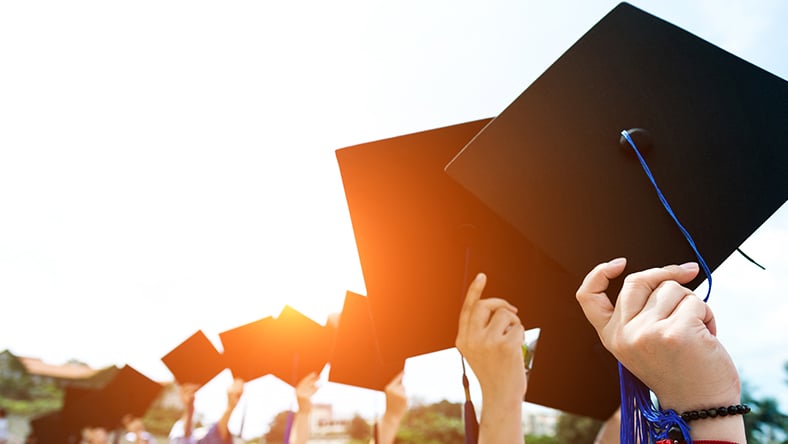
(132, 423)
(95, 435)
(2, 412)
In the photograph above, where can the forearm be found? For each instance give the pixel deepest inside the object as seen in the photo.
(187, 422)
(501, 420)
(387, 428)
(610, 432)
(300, 431)
(222, 426)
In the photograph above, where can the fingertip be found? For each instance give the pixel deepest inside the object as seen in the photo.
(685, 272)
(476, 288)
(690, 266)
(598, 279)
(614, 267)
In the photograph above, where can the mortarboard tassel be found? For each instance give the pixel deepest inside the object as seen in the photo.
(469, 413)
(642, 421)
(379, 357)
(627, 135)
(288, 426)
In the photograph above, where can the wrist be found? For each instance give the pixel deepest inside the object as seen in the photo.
(502, 395)
(691, 402)
(500, 403)
(730, 428)
(720, 424)
(390, 417)
(304, 406)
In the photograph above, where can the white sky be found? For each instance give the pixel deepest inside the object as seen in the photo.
(168, 166)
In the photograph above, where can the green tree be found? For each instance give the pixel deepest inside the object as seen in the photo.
(766, 423)
(573, 429)
(438, 423)
(541, 439)
(15, 383)
(358, 429)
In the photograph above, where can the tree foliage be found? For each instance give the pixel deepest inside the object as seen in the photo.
(358, 429)
(541, 439)
(573, 429)
(765, 423)
(437, 423)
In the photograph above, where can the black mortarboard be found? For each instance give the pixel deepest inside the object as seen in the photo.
(356, 358)
(51, 428)
(554, 164)
(64, 425)
(299, 346)
(129, 392)
(246, 349)
(195, 360)
(57, 426)
(421, 238)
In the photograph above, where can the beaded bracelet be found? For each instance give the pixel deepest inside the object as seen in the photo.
(739, 409)
(674, 434)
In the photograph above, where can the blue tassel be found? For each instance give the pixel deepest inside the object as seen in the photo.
(690, 240)
(641, 421)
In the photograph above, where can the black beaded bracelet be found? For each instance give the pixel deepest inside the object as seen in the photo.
(739, 409)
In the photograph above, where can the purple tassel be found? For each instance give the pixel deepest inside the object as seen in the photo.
(288, 426)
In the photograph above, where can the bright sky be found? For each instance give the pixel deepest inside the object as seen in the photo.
(168, 166)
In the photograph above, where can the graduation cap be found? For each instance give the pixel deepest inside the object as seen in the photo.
(421, 237)
(711, 128)
(195, 360)
(129, 392)
(51, 428)
(356, 357)
(246, 349)
(299, 346)
(289, 346)
(57, 426)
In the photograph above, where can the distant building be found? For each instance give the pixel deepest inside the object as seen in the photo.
(170, 397)
(326, 429)
(540, 422)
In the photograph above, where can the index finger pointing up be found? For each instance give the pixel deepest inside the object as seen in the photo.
(472, 296)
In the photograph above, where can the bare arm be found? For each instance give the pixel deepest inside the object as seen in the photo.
(667, 337)
(187, 398)
(490, 336)
(305, 389)
(609, 433)
(233, 397)
(396, 407)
